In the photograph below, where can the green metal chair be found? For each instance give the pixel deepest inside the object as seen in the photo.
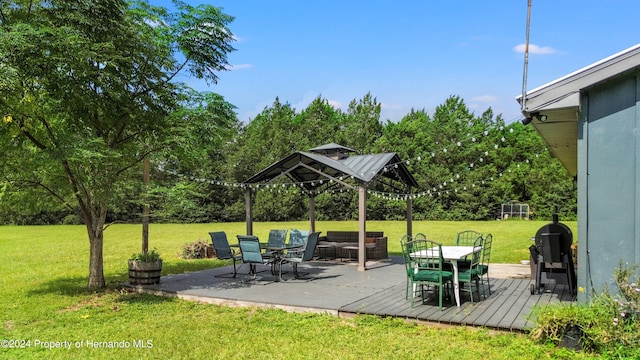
(224, 251)
(251, 253)
(420, 236)
(423, 260)
(471, 273)
(403, 245)
(300, 255)
(467, 238)
(484, 264)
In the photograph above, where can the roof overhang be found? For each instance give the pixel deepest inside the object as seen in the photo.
(312, 171)
(559, 101)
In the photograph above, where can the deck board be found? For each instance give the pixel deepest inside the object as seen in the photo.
(340, 289)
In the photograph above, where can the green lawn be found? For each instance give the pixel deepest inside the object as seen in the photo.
(511, 239)
(43, 274)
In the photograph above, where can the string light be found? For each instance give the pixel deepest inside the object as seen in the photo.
(301, 185)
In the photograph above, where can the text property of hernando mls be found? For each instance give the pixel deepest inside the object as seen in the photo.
(66, 344)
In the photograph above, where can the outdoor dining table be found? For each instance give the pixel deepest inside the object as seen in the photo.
(451, 254)
(278, 253)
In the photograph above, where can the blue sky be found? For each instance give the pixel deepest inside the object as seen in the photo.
(411, 53)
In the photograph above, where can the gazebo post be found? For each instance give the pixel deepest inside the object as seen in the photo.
(249, 210)
(362, 220)
(312, 213)
(409, 212)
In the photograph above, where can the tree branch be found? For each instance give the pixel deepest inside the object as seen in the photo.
(46, 188)
(29, 136)
(162, 82)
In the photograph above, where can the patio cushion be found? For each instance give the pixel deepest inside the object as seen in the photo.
(432, 275)
(375, 242)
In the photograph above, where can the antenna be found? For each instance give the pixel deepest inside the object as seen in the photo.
(526, 61)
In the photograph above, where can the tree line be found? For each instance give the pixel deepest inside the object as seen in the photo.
(467, 166)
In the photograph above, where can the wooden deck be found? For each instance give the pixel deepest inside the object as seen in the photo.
(338, 288)
(505, 309)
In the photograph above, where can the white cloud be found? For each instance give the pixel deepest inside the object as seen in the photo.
(231, 67)
(485, 98)
(534, 49)
(389, 106)
(335, 104)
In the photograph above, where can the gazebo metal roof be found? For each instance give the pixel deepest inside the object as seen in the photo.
(308, 169)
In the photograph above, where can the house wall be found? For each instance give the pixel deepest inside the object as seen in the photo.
(608, 182)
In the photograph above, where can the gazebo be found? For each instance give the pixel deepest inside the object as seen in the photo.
(333, 166)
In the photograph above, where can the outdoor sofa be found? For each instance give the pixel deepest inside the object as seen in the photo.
(376, 244)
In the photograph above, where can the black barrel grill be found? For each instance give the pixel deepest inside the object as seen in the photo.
(552, 254)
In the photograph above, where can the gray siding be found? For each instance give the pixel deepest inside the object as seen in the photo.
(609, 176)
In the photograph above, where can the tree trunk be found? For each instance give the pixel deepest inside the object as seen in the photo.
(95, 227)
(96, 265)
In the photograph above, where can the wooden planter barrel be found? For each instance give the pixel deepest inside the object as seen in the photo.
(144, 272)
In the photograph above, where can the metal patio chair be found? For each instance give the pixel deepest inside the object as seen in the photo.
(484, 264)
(467, 238)
(298, 238)
(471, 272)
(251, 253)
(224, 251)
(300, 255)
(423, 261)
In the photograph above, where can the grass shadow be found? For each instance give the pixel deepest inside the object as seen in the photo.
(143, 298)
(67, 286)
(178, 267)
(183, 266)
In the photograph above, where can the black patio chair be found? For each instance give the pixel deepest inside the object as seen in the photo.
(224, 251)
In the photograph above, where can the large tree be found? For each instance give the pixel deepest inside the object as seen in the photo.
(88, 90)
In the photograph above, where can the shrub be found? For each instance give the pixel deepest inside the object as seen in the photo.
(72, 219)
(629, 304)
(152, 255)
(608, 325)
(195, 250)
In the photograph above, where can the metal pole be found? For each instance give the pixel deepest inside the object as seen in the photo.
(146, 167)
(248, 196)
(409, 212)
(312, 213)
(523, 104)
(362, 228)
